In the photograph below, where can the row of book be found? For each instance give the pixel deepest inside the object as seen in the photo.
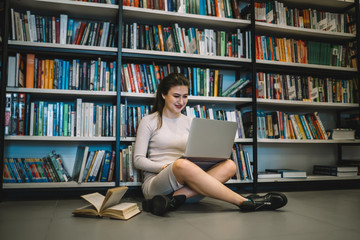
(93, 165)
(306, 88)
(130, 118)
(241, 158)
(32, 72)
(100, 1)
(143, 78)
(128, 173)
(308, 52)
(24, 170)
(328, 170)
(226, 115)
(275, 12)
(218, 8)
(47, 118)
(191, 40)
(281, 125)
(26, 26)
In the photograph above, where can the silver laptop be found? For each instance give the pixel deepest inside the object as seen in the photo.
(210, 141)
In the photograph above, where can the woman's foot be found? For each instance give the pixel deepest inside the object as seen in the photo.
(160, 204)
(270, 201)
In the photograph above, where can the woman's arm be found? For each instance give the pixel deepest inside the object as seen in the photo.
(143, 135)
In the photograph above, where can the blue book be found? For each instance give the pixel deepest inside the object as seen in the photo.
(22, 168)
(45, 119)
(304, 124)
(55, 120)
(153, 79)
(106, 167)
(195, 82)
(87, 165)
(14, 170)
(60, 74)
(63, 77)
(61, 119)
(114, 76)
(202, 5)
(11, 178)
(27, 169)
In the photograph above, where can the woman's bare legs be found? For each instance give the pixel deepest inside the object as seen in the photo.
(210, 183)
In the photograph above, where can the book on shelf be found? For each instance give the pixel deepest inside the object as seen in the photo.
(288, 173)
(46, 169)
(235, 87)
(341, 134)
(336, 170)
(80, 162)
(75, 74)
(109, 205)
(205, 42)
(266, 175)
(278, 13)
(61, 29)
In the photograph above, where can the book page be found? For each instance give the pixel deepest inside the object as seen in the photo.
(96, 199)
(113, 197)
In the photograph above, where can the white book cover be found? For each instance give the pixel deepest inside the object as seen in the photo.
(11, 71)
(133, 70)
(85, 118)
(63, 28)
(50, 120)
(78, 116)
(31, 129)
(96, 166)
(91, 120)
(13, 29)
(30, 27)
(73, 123)
(114, 120)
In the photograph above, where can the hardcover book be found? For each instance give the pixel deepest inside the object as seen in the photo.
(108, 205)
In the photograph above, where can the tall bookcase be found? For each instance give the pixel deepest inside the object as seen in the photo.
(265, 153)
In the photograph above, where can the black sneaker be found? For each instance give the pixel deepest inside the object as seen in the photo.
(160, 204)
(270, 201)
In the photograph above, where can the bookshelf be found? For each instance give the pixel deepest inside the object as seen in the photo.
(261, 149)
(315, 150)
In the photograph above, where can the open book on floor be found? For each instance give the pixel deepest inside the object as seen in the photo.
(108, 205)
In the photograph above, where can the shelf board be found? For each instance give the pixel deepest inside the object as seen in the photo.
(308, 179)
(265, 140)
(237, 140)
(192, 99)
(127, 52)
(275, 28)
(303, 65)
(60, 139)
(60, 47)
(320, 105)
(62, 92)
(182, 18)
(71, 184)
(73, 8)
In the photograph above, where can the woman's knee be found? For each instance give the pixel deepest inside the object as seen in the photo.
(230, 167)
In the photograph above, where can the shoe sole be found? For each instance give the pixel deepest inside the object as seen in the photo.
(276, 204)
(160, 205)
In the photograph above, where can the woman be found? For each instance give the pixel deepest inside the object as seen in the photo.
(169, 179)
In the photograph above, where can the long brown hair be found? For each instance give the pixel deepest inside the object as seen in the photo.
(171, 80)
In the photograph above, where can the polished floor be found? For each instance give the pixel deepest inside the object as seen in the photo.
(330, 215)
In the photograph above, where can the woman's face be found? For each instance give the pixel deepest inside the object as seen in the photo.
(175, 101)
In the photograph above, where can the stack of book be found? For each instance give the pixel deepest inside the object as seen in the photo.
(289, 173)
(333, 170)
(342, 134)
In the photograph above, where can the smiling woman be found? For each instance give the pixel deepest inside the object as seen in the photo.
(169, 179)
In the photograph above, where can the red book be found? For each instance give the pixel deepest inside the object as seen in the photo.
(81, 32)
(30, 68)
(40, 62)
(138, 76)
(133, 89)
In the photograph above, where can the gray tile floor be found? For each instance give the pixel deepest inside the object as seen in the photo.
(309, 215)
